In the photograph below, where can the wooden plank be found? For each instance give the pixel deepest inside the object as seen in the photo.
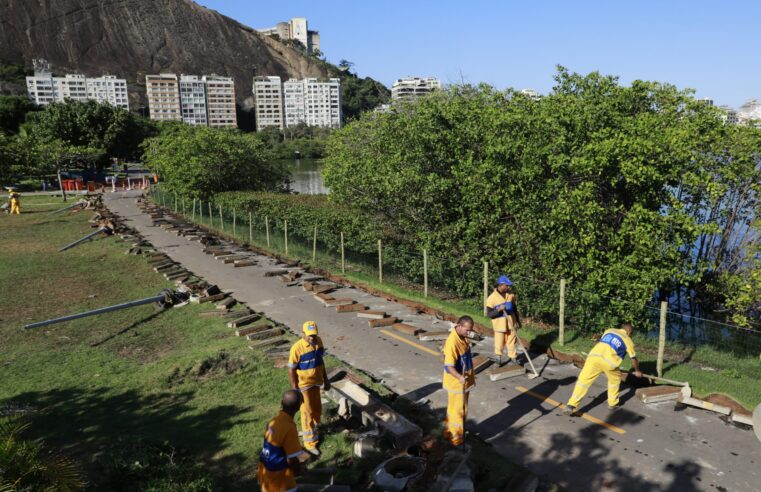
(323, 297)
(374, 323)
(265, 334)
(234, 258)
(275, 273)
(245, 263)
(369, 314)
(481, 362)
(506, 371)
(260, 325)
(226, 303)
(242, 321)
(339, 302)
(350, 308)
(308, 286)
(433, 336)
(323, 289)
(408, 329)
(214, 298)
(271, 342)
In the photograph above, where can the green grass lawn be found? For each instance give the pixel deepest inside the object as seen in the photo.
(708, 369)
(140, 398)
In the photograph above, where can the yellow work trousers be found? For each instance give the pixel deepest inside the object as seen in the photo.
(311, 411)
(506, 338)
(457, 412)
(591, 370)
(278, 481)
(15, 207)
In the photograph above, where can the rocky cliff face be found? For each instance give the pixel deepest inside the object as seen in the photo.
(130, 38)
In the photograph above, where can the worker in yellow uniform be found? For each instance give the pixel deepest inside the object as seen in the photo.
(307, 373)
(278, 462)
(459, 379)
(502, 309)
(15, 200)
(605, 357)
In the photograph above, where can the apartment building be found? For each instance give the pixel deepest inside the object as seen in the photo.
(220, 101)
(414, 87)
(163, 93)
(193, 100)
(312, 102)
(294, 102)
(44, 89)
(268, 102)
(297, 28)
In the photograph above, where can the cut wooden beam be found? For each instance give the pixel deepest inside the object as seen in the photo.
(275, 273)
(323, 297)
(268, 343)
(234, 258)
(408, 329)
(265, 334)
(481, 362)
(222, 254)
(655, 394)
(506, 371)
(338, 302)
(260, 325)
(369, 314)
(245, 263)
(214, 298)
(350, 308)
(242, 321)
(323, 289)
(293, 274)
(374, 323)
(433, 336)
(308, 286)
(226, 303)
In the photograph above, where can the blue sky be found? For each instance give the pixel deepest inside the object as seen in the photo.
(710, 46)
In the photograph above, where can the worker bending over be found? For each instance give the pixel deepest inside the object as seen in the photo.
(459, 379)
(278, 462)
(605, 357)
(502, 309)
(15, 200)
(306, 371)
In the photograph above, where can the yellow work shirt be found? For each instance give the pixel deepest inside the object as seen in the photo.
(457, 354)
(281, 443)
(495, 300)
(307, 360)
(613, 346)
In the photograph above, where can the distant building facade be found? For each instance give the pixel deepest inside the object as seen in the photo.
(44, 89)
(309, 101)
(414, 87)
(268, 102)
(532, 94)
(204, 101)
(298, 29)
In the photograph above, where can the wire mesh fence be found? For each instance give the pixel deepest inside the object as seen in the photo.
(427, 275)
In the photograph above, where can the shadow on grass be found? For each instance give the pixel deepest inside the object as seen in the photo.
(126, 329)
(92, 426)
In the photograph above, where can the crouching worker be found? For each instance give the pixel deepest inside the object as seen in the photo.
(459, 379)
(605, 357)
(278, 462)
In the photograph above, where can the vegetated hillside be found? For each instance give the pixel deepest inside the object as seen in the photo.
(130, 38)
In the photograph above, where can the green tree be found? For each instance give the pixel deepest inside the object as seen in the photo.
(13, 111)
(197, 162)
(599, 183)
(359, 95)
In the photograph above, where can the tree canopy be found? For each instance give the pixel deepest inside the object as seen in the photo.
(611, 187)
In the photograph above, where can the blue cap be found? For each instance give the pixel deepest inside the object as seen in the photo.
(503, 280)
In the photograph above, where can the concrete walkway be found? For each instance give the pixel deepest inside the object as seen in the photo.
(637, 447)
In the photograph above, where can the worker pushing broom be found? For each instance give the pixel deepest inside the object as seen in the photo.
(502, 309)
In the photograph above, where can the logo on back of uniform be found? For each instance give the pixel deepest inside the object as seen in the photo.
(616, 343)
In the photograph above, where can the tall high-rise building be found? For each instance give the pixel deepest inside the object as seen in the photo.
(44, 89)
(298, 29)
(414, 87)
(163, 96)
(268, 102)
(193, 100)
(220, 101)
(312, 102)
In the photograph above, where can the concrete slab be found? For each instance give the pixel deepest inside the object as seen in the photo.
(433, 336)
(372, 314)
(375, 323)
(407, 329)
(657, 394)
(350, 308)
(506, 371)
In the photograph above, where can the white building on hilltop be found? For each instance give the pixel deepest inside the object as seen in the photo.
(298, 29)
(44, 89)
(414, 87)
(750, 112)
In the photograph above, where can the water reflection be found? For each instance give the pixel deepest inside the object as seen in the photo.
(306, 176)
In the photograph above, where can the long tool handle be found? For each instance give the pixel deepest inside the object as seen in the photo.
(117, 307)
(531, 363)
(664, 380)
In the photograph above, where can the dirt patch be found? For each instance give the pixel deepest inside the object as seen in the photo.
(726, 401)
(214, 366)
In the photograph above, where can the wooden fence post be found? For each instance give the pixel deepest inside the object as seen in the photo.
(561, 314)
(286, 237)
(221, 219)
(234, 223)
(175, 203)
(380, 262)
(486, 284)
(267, 228)
(314, 245)
(343, 262)
(425, 273)
(194, 210)
(211, 216)
(183, 206)
(200, 212)
(662, 338)
(250, 230)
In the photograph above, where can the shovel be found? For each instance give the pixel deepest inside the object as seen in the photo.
(531, 363)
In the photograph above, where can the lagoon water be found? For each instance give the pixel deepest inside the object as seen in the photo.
(306, 176)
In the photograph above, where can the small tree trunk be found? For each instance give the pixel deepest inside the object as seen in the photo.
(60, 184)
